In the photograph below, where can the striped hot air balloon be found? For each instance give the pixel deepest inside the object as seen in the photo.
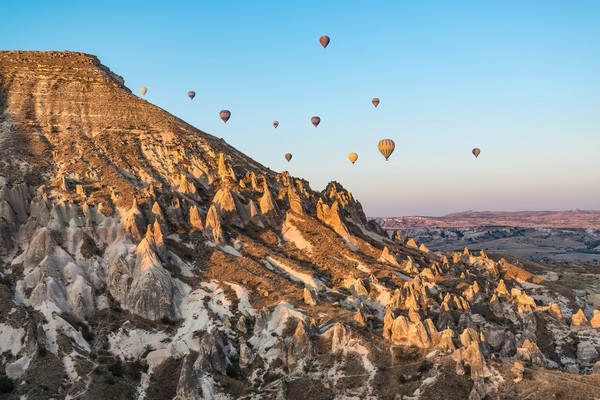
(375, 101)
(386, 147)
(225, 115)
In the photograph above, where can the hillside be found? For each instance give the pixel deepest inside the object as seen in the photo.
(579, 219)
(143, 258)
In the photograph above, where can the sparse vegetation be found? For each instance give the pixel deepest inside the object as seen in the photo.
(147, 349)
(269, 377)
(403, 354)
(425, 366)
(116, 368)
(6, 384)
(409, 378)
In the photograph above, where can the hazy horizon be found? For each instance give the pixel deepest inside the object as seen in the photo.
(517, 79)
(477, 211)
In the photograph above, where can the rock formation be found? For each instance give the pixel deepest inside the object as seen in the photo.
(142, 257)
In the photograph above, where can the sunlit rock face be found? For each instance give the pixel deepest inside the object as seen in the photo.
(141, 257)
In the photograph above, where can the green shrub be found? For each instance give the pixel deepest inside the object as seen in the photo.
(116, 369)
(6, 384)
(425, 366)
(87, 335)
(271, 377)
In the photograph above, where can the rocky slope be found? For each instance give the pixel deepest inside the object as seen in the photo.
(143, 258)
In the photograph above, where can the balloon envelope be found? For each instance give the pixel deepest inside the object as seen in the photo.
(191, 94)
(375, 101)
(324, 41)
(225, 115)
(352, 157)
(315, 121)
(143, 91)
(386, 147)
(275, 124)
(288, 157)
(476, 152)
(380, 222)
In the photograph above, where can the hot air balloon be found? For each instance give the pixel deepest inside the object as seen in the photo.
(476, 152)
(191, 94)
(352, 157)
(288, 157)
(380, 222)
(275, 124)
(144, 90)
(225, 115)
(315, 121)
(375, 101)
(324, 41)
(386, 147)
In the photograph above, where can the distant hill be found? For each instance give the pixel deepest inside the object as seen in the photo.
(530, 219)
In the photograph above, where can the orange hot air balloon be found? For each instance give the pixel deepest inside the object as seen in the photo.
(375, 101)
(352, 157)
(288, 157)
(324, 41)
(476, 152)
(191, 94)
(315, 121)
(144, 90)
(225, 115)
(386, 147)
(275, 124)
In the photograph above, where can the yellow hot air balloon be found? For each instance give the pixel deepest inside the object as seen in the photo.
(144, 90)
(386, 147)
(476, 152)
(352, 157)
(375, 101)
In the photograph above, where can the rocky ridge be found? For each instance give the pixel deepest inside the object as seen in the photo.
(143, 258)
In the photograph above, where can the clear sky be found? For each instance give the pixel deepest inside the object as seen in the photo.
(518, 79)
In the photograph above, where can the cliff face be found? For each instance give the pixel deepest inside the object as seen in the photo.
(141, 255)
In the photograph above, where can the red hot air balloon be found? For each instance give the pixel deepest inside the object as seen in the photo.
(315, 121)
(191, 94)
(324, 41)
(225, 115)
(288, 156)
(275, 124)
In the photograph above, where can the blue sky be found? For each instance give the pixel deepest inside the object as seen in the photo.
(518, 79)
